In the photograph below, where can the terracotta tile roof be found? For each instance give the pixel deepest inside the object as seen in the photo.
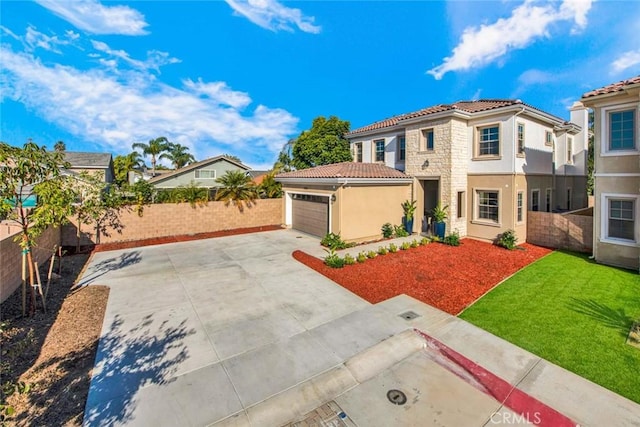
(465, 106)
(613, 87)
(346, 170)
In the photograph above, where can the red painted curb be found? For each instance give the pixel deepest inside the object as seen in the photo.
(525, 405)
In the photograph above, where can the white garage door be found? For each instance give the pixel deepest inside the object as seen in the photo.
(310, 214)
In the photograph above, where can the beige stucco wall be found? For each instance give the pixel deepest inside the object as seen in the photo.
(507, 189)
(11, 256)
(176, 219)
(609, 253)
(364, 209)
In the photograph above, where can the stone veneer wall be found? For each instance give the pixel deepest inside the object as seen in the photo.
(561, 231)
(448, 162)
(11, 257)
(176, 219)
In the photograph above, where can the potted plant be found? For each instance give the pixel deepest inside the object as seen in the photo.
(409, 208)
(439, 214)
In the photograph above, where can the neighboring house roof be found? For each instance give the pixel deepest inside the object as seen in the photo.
(613, 87)
(467, 107)
(346, 172)
(254, 173)
(80, 160)
(194, 166)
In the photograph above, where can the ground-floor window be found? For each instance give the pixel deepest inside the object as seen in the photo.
(520, 206)
(461, 204)
(548, 200)
(535, 200)
(569, 199)
(487, 205)
(621, 218)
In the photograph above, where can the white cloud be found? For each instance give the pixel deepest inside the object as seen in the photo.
(155, 59)
(272, 15)
(33, 38)
(625, 61)
(93, 17)
(481, 45)
(534, 77)
(115, 110)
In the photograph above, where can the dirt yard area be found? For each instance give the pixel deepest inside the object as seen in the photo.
(47, 358)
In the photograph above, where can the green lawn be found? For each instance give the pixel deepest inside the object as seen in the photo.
(572, 312)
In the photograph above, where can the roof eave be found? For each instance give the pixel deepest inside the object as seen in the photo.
(344, 181)
(624, 91)
(371, 132)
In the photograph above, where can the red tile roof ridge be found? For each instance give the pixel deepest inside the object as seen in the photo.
(613, 87)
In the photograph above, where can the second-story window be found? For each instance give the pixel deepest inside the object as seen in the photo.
(402, 148)
(205, 174)
(621, 130)
(520, 138)
(379, 146)
(548, 138)
(427, 140)
(358, 152)
(569, 150)
(489, 141)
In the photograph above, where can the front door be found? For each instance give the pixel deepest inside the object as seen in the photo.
(431, 197)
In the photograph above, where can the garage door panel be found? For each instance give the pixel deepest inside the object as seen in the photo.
(310, 215)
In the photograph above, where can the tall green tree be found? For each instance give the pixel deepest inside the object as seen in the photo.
(237, 188)
(232, 157)
(179, 156)
(27, 173)
(590, 156)
(122, 165)
(153, 149)
(284, 162)
(323, 144)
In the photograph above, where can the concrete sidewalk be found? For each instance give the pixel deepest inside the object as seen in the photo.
(234, 331)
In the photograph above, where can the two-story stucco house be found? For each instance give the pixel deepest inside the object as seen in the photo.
(616, 109)
(489, 161)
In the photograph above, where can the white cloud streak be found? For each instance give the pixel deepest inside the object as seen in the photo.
(93, 17)
(155, 59)
(481, 45)
(272, 15)
(625, 61)
(116, 109)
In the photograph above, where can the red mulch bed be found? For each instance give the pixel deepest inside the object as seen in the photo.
(447, 277)
(183, 238)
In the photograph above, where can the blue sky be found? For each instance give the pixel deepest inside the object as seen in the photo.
(242, 77)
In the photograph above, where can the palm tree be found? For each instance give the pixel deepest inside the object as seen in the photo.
(123, 164)
(154, 148)
(269, 187)
(237, 188)
(179, 156)
(59, 146)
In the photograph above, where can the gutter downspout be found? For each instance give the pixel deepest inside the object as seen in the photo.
(514, 214)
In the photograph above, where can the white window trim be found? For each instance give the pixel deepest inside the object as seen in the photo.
(604, 130)
(476, 208)
(374, 150)
(524, 139)
(197, 172)
(524, 207)
(476, 145)
(534, 190)
(398, 159)
(548, 143)
(604, 219)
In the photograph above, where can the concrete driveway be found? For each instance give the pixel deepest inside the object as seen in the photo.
(234, 331)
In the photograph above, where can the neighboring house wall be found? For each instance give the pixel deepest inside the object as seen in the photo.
(220, 168)
(570, 231)
(176, 219)
(616, 179)
(11, 256)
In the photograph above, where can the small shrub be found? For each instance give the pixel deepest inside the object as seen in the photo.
(362, 257)
(414, 243)
(405, 245)
(349, 259)
(334, 241)
(508, 240)
(399, 231)
(435, 239)
(387, 230)
(371, 254)
(424, 241)
(333, 260)
(393, 248)
(382, 250)
(452, 239)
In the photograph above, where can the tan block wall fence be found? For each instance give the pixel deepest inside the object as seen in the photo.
(11, 257)
(177, 219)
(562, 231)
